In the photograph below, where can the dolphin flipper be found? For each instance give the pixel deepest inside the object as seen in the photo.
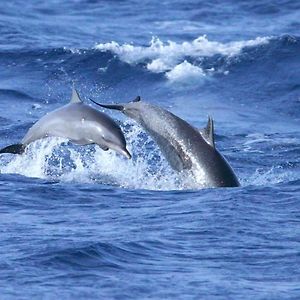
(14, 149)
(172, 151)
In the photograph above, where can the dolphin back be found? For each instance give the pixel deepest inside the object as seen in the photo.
(14, 149)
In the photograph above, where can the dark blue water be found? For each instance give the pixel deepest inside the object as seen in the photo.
(78, 222)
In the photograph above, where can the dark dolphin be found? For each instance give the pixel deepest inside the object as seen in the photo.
(79, 123)
(184, 146)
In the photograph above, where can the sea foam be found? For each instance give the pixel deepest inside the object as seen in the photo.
(170, 58)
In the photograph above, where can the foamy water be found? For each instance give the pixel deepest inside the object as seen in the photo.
(170, 57)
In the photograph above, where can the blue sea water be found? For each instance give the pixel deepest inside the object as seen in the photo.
(78, 222)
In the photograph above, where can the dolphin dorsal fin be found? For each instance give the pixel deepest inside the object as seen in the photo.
(137, 99)
(208, 132)
(75, 97)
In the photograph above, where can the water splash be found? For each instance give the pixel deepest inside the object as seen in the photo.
(56, 159)
(52, 159)
(270, 171)
(270, 176)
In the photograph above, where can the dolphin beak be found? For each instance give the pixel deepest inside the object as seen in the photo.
(124, 152)
(110, 106)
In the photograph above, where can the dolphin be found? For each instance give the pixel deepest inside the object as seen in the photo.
(184, 146)
(79, 123)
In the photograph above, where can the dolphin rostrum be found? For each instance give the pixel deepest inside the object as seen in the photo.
(184, 146)
(79, 123)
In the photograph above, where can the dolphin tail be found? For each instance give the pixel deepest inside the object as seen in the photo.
(14, 149)
(110, 106)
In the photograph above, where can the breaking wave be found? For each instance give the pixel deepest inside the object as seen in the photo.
(178, 61)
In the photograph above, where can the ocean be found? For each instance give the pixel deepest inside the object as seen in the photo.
(78, 222)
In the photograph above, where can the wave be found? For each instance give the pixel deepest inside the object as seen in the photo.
(273, 158)
(179, 62)
(12, 93)
(108, 64)
(103, 255)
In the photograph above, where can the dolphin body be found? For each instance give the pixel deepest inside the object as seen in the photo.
(79, 123)
(184, 146)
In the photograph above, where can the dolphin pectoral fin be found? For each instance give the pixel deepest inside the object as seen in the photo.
(182, 157)
(14, 149)
(176, 158)
(173, 153)
(75, 97)
(109, 106)
(208, 132)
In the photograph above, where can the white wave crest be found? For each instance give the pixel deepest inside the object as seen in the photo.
(185, 72)
(171, 57)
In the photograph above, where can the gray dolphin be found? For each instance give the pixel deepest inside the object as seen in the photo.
(79, 123)
(184, 146)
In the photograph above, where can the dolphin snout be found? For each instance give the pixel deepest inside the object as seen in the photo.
(124, 152)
